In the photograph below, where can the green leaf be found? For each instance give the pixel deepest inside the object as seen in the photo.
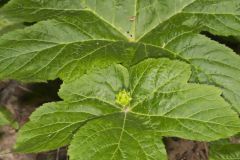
(7, 26)
(5, 117)
(137, 17)
(56, 48)
(162, 104)
(224, 150)
(51, 126)
(54, 124)
(4, 23)
(219, 17)
(82, 35)
(117, 137)
(213, 64)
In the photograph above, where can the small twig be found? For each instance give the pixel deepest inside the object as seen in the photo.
(24, 88)
(206, 148)
(57, 156)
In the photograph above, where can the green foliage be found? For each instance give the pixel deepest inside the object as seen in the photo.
(224, 150)
(99, 49)
(163, 104)
(6, 118)
(84, 35)
(6, 25)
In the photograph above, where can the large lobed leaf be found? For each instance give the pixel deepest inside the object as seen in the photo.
(82, 35)
(163, 104)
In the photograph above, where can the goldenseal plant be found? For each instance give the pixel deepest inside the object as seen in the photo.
(133, 71)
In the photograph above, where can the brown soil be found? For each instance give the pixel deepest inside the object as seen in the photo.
(180, 149)
(22, 100)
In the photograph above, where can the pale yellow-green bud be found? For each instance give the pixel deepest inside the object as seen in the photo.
(123, 98)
